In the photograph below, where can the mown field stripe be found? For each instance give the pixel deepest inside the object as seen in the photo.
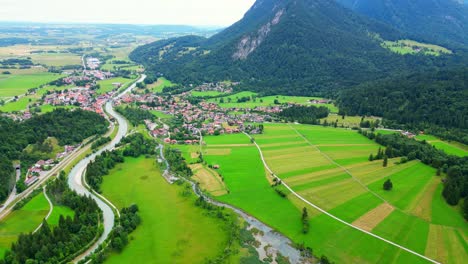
(334, 162)
(334, 217)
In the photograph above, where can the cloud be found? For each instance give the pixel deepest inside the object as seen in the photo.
(193, 12)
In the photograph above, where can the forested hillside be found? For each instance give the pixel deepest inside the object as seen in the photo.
(440, 21)
(421, 101)
(69, 127)
(298, 47)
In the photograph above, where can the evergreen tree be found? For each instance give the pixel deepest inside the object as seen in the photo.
(388, 185)
(385, 161)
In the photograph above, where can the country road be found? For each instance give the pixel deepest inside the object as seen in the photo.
(75, 178)
(330, 215)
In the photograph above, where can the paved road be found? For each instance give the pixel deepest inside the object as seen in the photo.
(75, 178)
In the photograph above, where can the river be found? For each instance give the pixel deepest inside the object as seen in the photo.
(75, 178)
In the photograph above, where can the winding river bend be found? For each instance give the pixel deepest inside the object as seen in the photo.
(76, 181)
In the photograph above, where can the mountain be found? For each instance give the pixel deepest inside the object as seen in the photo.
(286, 46)
(443, 22)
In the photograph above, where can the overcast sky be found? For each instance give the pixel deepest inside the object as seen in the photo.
(187, 12)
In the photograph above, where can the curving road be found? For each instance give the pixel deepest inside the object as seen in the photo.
(76, 181)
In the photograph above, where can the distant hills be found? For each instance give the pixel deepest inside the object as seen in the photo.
(291, 47)
(441, 21)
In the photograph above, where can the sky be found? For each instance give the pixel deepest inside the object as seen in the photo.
(175, 12)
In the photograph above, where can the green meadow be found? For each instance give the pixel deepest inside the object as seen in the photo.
(173, 229)
(413, 47)
(56, 59)
(329, 167)
(450, 147)
(25, 220)
(230, 101)
(160, 84)
(107, 85)
(13, 85)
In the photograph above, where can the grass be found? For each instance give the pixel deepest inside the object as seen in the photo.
(206, 93)
(317, 179)
(450, 147)
(230, 101)
(189, 152)
(56, 59)
(160, 114)
(57, 212)
(173, 230)
(14, 85)
(347, 121)
(413, 47)
(107, 85)
(25, 220)
(250, 190)
(160, 84)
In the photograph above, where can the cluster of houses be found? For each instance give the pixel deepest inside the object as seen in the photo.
(81, 97)
(217, 87)
(92, 63)
(37, 170)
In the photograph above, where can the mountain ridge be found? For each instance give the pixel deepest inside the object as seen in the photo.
(288, 46)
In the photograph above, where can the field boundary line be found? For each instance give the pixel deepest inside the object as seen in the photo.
(332, 216)
(343, 168)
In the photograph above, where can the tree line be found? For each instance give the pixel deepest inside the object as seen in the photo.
(304, 114)
(133, 145)
(134, 115)
(68, 127)
(456, 168)
(60, 243)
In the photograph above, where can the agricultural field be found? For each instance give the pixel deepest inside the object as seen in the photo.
(56, 59)
(413, 47)
(27, 219)
(347, 121)
(173, 230)
(17, 84)
(206, 93)
(230, 101)
(450, 147)
(107, 85)
(329, 167)
(159, 85)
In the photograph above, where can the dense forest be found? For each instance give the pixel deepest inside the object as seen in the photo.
(61, 243)
(177, 163)
(309, 49)
(134, 115)
(435, 101)
(425, 20)
(304, 114)
(456, 168)
(68, 127)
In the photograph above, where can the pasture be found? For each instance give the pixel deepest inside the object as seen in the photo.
(450, 147)
(108, 85)
(413, 47)
(329, 167)
(159, 85)
(56, 59)
(231, 101)
(25, 220)
(18, 84)
(173, 229)
(347, 121)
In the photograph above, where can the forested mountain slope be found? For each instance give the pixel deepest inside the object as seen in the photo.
(421, 100)
(285, 46)
(444, 22)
